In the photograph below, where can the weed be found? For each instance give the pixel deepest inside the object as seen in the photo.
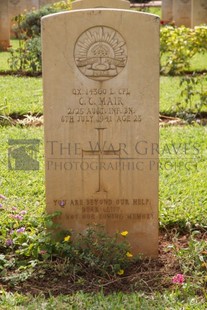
(26, 242)
(193, 95)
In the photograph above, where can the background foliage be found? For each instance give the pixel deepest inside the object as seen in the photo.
(27, 249)
(27, 57)
(178, 45)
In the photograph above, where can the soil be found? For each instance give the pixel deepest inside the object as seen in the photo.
(37, 120)
(146, 275)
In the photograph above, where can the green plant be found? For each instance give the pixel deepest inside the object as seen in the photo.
(62, 5)
(27, 242)
(28, 25)
(193, 94)
(100, 252)
(193, 257)
(178, 45)
(4, 112)
(193, 262)
(27, 57)
(20, 96)
(182, 201)
(175, 45)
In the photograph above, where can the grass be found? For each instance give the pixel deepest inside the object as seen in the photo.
(198, 62)
(4, 56)
(170, 95)
(20, 95)
(25, 187)
(23, 95)
(183, 203)
(4, 61)
(183, 180)
(98, 301)
(182, 176)
(183, 206)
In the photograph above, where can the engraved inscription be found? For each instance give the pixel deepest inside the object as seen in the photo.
(112, 216)
(103, 205)
(102, 209)
(100, 53)
(101, 105)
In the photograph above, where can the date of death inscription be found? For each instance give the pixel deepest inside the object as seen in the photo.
(101, 106)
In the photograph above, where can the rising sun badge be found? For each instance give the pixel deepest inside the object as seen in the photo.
(100, 53)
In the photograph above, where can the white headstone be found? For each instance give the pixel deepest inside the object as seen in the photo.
(83, 4)
(17, 7)
(101, 83)
(199, 12)
(167, 11)
(47, 2)
(4, 25)
(182, 12)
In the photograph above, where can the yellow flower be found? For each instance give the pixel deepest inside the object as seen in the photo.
(128, 254)
(67, 238)
(120, 272)
(124, 233)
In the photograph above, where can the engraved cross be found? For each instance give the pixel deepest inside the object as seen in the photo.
(100, 153)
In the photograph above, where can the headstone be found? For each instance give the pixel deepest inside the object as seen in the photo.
(4, 25)
(47, 2)
(31, 5)
(182, 12)
(199, 12)
(17, 7)
(14, 8)
(101, 81)
(83, 4)
(167, 11)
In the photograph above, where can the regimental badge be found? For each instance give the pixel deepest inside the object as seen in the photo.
(100, 53)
